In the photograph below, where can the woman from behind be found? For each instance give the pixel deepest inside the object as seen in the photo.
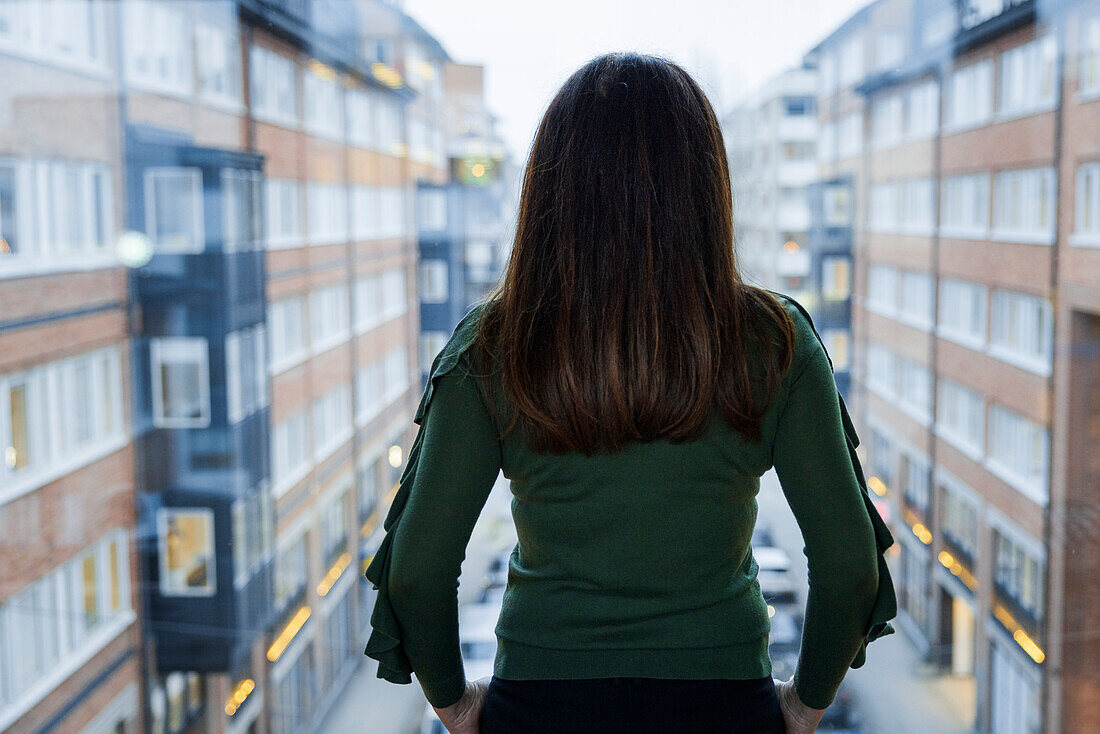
(633, 389)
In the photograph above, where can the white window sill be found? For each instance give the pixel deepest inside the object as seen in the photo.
(291, 480)
(1085, 239)
(287, 243)
(14, 487)
(1017, 360)
(1087, 95)
(885, 311)
(228, 105)
(13, 266)
(323, 345)
(961, 127)
(282, 365)
(92, 645)
(1038, 109)
(963, 233)
(1026, 238)
(920, 415)
(332, 445)
(964, 340)
(958, 442)
(276, 119)
(369, 413)
(1034, 493)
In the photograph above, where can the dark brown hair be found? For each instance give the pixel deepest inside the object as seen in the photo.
(621, 315)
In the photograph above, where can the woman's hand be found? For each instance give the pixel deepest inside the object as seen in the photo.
(798, 717)
(462, 715)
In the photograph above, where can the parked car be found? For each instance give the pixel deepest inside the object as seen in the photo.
(762, 535)
(477, 638)
(430, 723)
(777, 584)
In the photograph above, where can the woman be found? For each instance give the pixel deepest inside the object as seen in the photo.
(633, 389)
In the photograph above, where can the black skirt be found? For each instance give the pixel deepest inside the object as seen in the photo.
(632, 706)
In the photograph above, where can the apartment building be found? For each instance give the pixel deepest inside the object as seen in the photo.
(207, 261)
(968, 131)
(70, 634)
(771, 142)
(463, 226)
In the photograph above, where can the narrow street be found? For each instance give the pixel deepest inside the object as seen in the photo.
(370, 705)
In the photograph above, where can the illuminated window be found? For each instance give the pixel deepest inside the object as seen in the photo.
(186, 548)
(836, 343)
(433, 281)
(835, 278)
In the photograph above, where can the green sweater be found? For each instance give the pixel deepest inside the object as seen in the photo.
(636, 563)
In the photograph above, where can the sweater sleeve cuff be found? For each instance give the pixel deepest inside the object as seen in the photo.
(815, 694)
(445, 692)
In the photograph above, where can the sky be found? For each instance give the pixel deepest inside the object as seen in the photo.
(530, 48)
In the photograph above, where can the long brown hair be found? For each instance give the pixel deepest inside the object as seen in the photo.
(621, 315)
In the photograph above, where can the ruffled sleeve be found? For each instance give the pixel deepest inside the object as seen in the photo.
(387, 643)
(886, 604)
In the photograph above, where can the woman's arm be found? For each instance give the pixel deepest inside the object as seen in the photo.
(457, 466)
(811, 458)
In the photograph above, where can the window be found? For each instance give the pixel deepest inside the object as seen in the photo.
(923, 117)
(328, 213)
(826, 143)
(323, 102)
(965, 208)
(391, 220)
(1021, 330)
(57, 417)
(433, 281)
(290, 453)
(962, 312)
(240, 206)
(849, 135)
(889, 49)
(916, 299)
(181, 382)
(219, 59)
(334, 531)
(173, 209)
(291, 566)
(331, 421)
(939, 28)
(915, 395)
(837, 205)
(971, 96)
(369, 390)
(881, 374)
(835, 278)
(960, 515)
(390, 122)
(886, 122)
(329, 317)
(274, 84)
(960, 416)
(286, 319)
(54, 215)
(366, 212)
(64, 617)
(56, 32)
(433, 209)
(1024, 205)
(395, 371)
(368, 302)
(1018, 573)
(1090, 57)
(284, 213)
(1086, 230)
(394, 293)
(836, 343)
(360, 117)
(431, 344)
(827, 74)
(245, 372)
(158, 47)
(851, 60)
(1019, 451)
(798, 106)
(918, 206)
(882, 289)
(884, 212)
(1027, 77)
(916, 481)
(186, 551)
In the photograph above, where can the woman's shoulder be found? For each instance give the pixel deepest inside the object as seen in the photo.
(455, 353)
(807, 340)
